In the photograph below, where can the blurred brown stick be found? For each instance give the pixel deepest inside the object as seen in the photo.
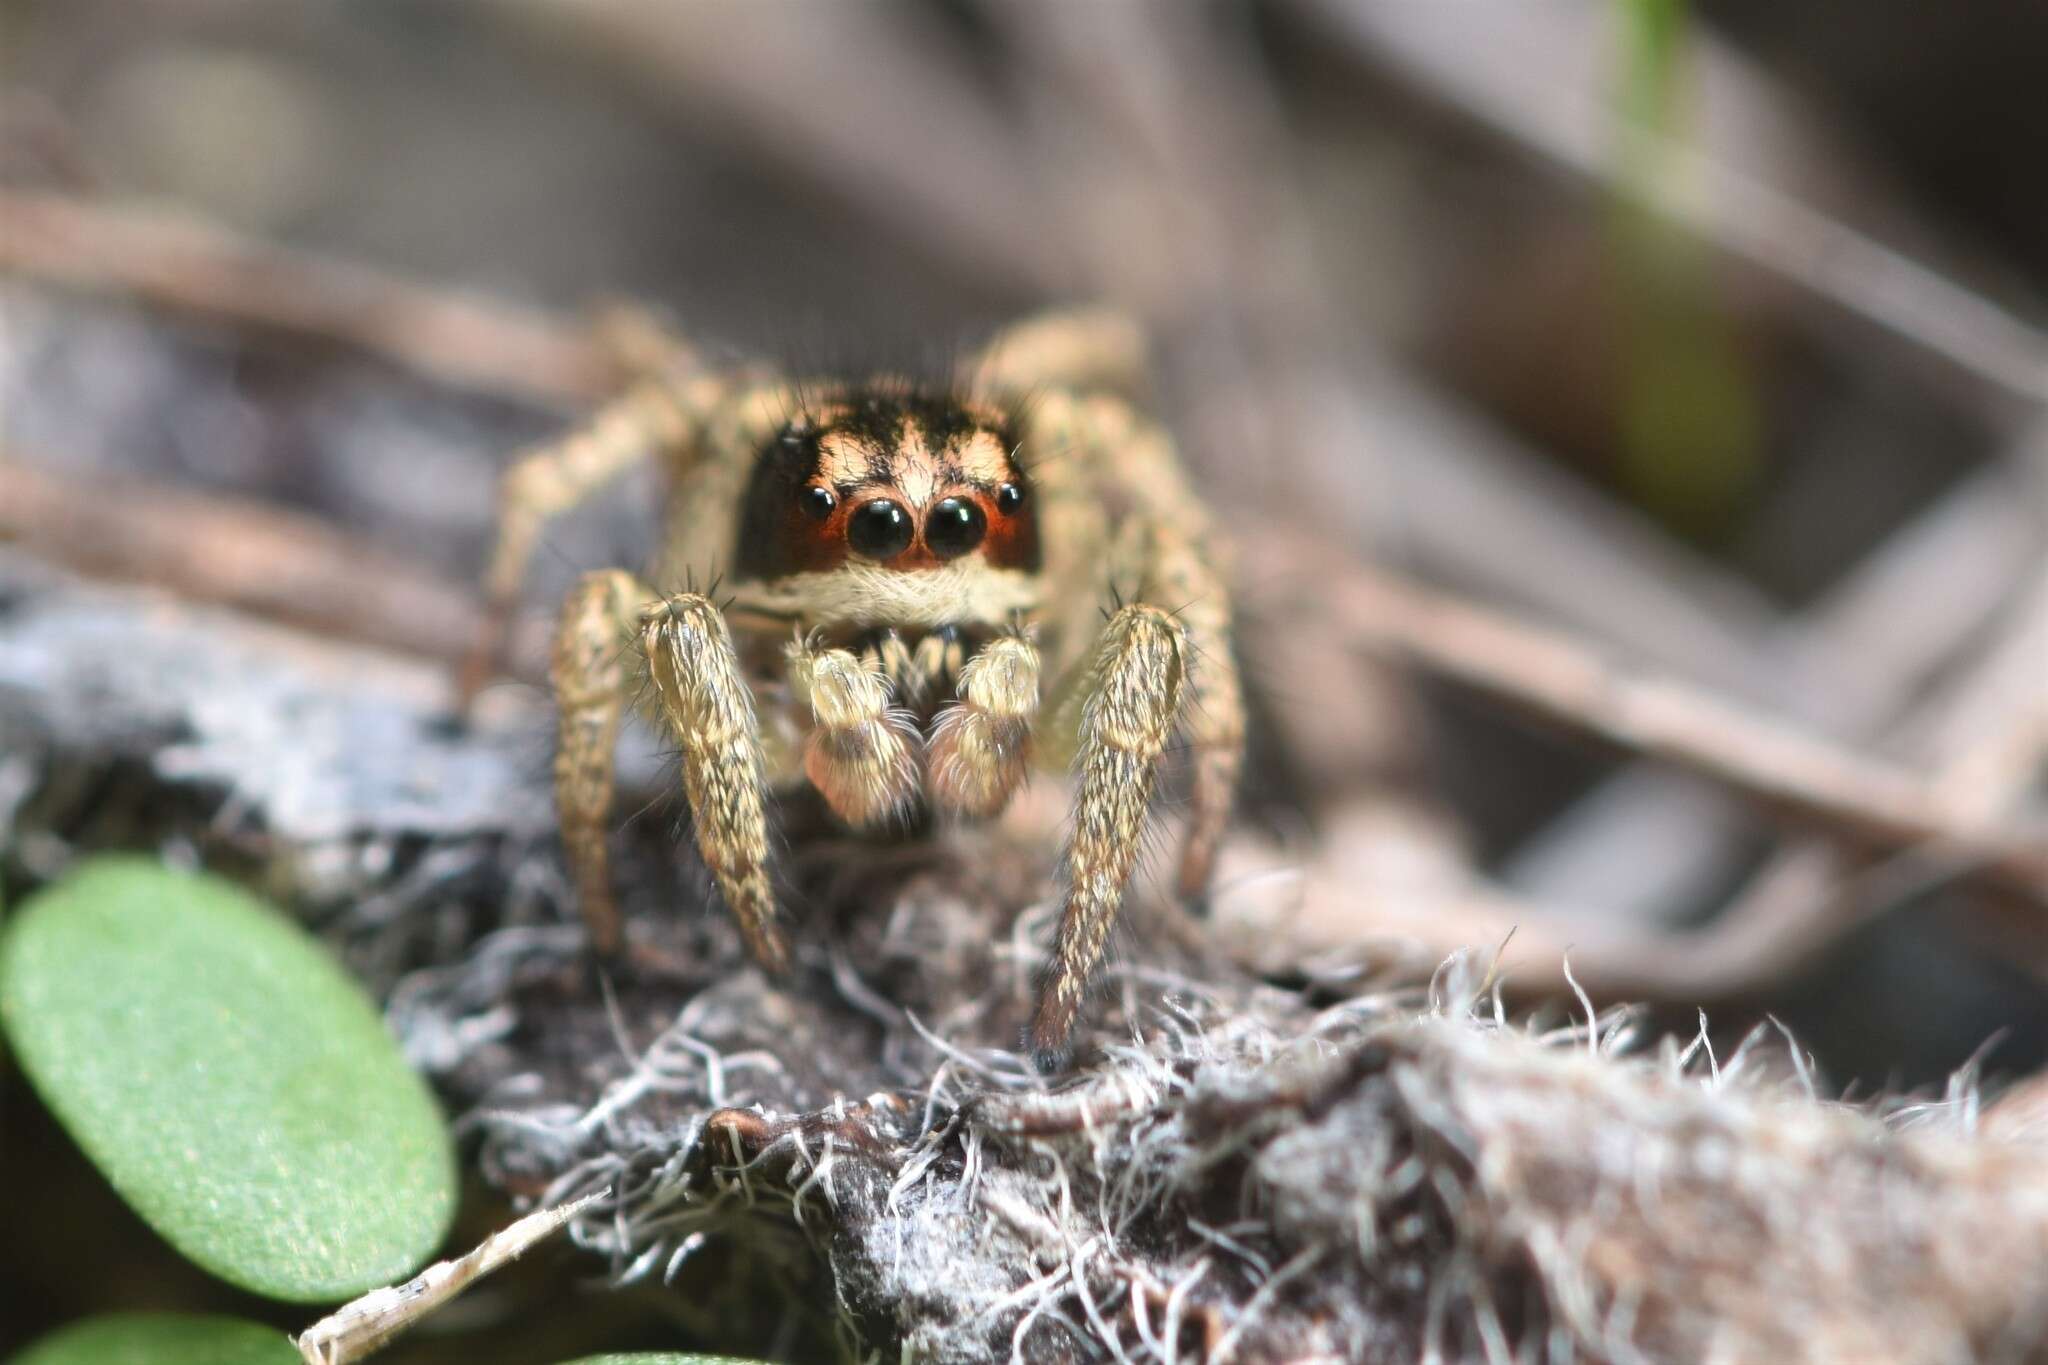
(238, 553)
(1987, 732)
(1984, 734)
(176, 263)
(1561, 681)
(1861, 652)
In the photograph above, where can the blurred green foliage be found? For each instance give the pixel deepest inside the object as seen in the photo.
(1691, 429)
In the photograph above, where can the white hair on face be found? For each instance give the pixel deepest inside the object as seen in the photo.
(964, 592)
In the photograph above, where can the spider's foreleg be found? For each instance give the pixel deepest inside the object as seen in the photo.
(1184, 566)
(1181, 575)
(647, 420)
(697, 676)
(981, 744)
(597, 626)
(861, 751)
(1132, 707)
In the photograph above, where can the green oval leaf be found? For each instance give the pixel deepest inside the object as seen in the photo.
(229, 1079)
(161, 1339)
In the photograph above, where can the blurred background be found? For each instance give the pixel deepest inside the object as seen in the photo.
(1705, 334)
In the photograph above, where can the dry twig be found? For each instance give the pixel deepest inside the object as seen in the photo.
(1555, 678)
(366, 1325)
(181, 265)
(1642, 844)
(238, 553)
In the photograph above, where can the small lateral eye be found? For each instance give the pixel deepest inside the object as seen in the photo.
(1009, 498)
(817, 502)
(879, 529)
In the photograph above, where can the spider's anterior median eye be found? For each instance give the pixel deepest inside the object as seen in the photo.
(954, 527)
(817, 502)
(879, 529)
(1009, 498)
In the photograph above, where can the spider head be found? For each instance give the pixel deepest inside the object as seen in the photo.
(895, 480)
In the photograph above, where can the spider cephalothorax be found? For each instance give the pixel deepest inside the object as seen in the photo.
(927, 588)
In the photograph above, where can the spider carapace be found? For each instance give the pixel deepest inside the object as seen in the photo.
(926, 591)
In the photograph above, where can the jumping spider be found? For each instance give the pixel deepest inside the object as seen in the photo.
(904, 564)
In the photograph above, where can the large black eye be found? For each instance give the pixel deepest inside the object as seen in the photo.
(1009, 498)
(879, 529)
(817, 502)
(954, 527)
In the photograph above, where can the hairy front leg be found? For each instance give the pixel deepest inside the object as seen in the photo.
(1132, 708)
(1181, 574)
(1184, 565)
(697, 677)
(861, 751)
(589, 673)
(650, 418)
(980, 746)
